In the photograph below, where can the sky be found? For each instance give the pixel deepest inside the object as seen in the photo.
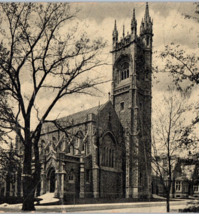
(169, 26)
(97, 19)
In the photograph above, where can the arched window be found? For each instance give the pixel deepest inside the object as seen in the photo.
(107, 149)
(124, 71)
(110, 158)
(106, 164)
(103, 157)
(71, 177)
(54, 142)
(147, 40)
(114, 159)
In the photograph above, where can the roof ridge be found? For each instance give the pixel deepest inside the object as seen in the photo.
(86, 110)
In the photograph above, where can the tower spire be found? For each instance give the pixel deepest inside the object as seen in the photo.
(146, 16)
(133, 14)
(123, 31)
(115, 26)
(134, 24)
(115, 34)
(146, 24)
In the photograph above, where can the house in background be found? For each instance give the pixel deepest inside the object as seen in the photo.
(185, 178)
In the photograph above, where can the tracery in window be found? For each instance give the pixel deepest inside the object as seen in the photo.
(107, 152)
(124, 74)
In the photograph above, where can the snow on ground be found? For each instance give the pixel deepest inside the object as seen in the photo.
(47, 198)
(13, 206)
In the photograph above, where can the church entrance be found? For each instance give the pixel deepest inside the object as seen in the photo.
(52, 180)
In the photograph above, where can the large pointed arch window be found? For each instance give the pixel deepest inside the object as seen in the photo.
(124, 74)
(107, 151)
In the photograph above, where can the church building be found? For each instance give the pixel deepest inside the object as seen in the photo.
(106, 150)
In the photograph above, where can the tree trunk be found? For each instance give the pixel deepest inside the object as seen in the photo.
(37, 173)
(28, 184)
(168, 202)
(28, 193)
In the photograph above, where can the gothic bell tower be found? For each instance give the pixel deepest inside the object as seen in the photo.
(131, 98)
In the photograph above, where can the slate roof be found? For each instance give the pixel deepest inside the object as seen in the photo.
(73, 119)
(84, 113)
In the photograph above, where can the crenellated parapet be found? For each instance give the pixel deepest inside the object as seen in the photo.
(146, 33)
(124, 41)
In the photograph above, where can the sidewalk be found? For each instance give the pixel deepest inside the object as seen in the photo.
(92, 207)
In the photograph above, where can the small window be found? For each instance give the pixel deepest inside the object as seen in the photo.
(88, 175)
(195, 188)
(178, 186)
(71, 177)
(141, 107)
(185, 188)
(122, 106)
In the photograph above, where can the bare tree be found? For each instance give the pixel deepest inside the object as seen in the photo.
(183, 67)
(35, 53)
(169, 126)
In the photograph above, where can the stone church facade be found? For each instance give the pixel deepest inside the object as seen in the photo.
(106, 151)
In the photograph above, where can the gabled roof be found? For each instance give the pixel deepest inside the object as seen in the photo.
(84, 113)
(74, 119)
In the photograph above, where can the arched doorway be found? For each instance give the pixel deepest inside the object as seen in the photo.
(51, 180)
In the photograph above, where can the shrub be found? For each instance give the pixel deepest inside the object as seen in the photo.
(192, 206)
